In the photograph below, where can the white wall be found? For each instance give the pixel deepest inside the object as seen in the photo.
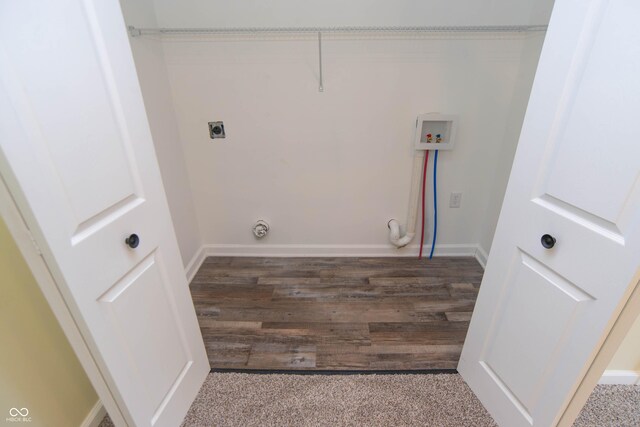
(332, 168)
(540, 12)
(224, 13)
(506, 152)
(149, 60)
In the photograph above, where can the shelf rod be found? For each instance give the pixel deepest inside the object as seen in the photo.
(135, 32)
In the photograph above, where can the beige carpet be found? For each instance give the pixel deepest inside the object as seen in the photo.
(371, 400)
(611, 405)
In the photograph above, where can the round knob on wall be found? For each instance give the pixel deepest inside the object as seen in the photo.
(132, 241)
(548, 241)
(260, 229)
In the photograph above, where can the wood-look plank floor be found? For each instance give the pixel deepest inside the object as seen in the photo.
(335, 313)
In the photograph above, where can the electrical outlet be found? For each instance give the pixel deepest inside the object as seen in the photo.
(216, 130)
(455, 200)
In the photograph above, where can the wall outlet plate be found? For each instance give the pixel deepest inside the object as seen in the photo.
(455, 200)
(216, 130)
(435, 131)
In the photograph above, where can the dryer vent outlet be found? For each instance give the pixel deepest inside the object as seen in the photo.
(260, 229)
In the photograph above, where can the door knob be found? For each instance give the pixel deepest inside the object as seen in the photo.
(132, 241)
(548, 241)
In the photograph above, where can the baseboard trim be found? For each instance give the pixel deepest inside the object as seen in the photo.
(481, 256)
(620, 377)
(194, 265)
(95, 415)
(334, 250)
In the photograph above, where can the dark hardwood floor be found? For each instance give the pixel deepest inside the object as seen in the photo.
(335, 313)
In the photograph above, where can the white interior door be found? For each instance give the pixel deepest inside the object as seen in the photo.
(541, 313)
(74, 132)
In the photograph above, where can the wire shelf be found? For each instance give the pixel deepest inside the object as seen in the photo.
(135, 32)
(319, 31)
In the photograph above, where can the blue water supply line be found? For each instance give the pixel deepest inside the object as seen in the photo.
(435, 204)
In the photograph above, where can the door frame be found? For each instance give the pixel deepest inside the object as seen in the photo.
(39, 258)
(627, 312)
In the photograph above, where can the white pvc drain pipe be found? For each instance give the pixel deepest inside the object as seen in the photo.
(412, 215)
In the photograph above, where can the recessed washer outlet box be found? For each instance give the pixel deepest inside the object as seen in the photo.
(435, 131)
(216, 130)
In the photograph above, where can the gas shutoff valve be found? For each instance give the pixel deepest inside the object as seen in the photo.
(260, 229)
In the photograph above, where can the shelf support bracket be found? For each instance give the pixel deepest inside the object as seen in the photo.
(133, 31)
(320, 87)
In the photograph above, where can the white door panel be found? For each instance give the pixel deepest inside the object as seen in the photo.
(145, 337)
(75, 134)
(541, 313)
